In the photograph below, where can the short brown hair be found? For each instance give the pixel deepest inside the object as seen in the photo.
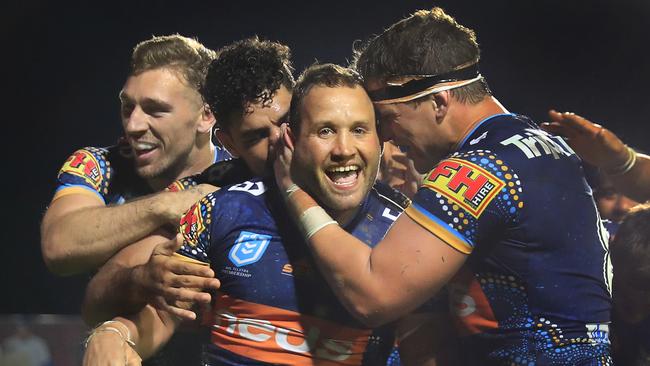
(185, 55)
(428, 42)
(328, 75)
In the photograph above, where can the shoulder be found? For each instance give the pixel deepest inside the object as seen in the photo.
(386, 196)
(89, 166)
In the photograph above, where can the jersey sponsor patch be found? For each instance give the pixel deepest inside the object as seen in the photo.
(464, 183)
(249, 248)
(84, 165)
(283, 337)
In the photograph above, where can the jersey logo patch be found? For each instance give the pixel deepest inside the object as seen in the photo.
(249, 248)
(466, 184)
(191, 225)
(84, 165)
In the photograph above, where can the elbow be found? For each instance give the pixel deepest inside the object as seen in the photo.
(57, 257)
(372, 315)
(53, 256)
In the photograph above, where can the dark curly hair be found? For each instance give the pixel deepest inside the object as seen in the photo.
(247, 71)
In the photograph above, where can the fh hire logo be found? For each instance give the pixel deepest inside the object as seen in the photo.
(464, 183)
(249, 248)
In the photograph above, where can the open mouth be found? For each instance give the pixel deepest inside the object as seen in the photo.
(344, 176)
(143, 150)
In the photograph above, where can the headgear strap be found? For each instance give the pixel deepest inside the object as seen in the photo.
(409, 87)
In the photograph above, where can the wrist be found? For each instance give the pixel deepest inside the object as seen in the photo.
(625, 162)
(113, 327)
(160, 206)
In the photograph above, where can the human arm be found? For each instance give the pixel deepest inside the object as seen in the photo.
(80, 233)
(600, 147)
(147, 272)
(147, 331)
(378, 284)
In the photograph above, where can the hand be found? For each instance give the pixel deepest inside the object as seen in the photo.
(398, 171)
(170, 280)
(174, 204)
(106, 348)
(592, 142)
(281, 151)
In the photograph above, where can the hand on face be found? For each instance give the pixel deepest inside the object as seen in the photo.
(281, 153)
(398, 171)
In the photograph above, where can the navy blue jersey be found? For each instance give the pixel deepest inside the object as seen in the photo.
(536, 288)
(273, 306)
(107, 173)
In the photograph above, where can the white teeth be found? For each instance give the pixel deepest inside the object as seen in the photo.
(143, 146)
(342, 169)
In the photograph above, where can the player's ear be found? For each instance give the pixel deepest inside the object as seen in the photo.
(440, 103)
(226, 141)
(206, 120)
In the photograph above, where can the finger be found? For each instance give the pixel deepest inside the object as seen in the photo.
(181, 267)
(288, 137)
(169, 247)
(556, 128)
(581, 124)
(180, 312)
(186, 281)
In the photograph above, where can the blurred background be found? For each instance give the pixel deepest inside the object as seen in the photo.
(65, 62)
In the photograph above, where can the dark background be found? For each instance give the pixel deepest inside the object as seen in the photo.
(65, 62)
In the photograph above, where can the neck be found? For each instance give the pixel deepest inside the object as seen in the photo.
(200, 157)
(343, 217)
(470, 115)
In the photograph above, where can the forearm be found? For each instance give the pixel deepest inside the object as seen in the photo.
(145, 333)
(112, 291)
(346, 266)
(84, 239)
(150, 330)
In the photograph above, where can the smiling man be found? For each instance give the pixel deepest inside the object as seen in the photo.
(273, 307)
(167, 135)
(504, 217)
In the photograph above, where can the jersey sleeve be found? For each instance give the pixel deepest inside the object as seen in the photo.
(86, 171)
(183, 184)
(466, 197)
(195, 227)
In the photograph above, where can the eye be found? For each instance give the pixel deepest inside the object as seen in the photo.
(359, 130)
(126, 110)
(325, 131)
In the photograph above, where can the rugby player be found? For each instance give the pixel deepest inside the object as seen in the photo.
(167, 135)
(248, 88)
(273, 307)
(504, 216)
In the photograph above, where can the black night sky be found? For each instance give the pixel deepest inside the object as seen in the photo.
(65, 62)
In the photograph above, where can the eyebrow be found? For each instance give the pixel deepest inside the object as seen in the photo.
(147, 102)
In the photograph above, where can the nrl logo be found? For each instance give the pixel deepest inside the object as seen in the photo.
(249, 248)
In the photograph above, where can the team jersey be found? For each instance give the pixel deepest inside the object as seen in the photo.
(536, 287)
(107, 173)
(273, 306)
